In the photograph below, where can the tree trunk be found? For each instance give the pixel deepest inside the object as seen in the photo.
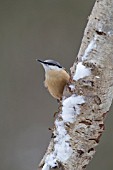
(87, 98)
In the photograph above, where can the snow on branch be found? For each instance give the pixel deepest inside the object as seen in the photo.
(81, 71)
(62, 149)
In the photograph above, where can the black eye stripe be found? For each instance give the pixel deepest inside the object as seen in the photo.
(52, 64)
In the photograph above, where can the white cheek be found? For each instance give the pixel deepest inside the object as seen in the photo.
(46, 67)
(55, 68)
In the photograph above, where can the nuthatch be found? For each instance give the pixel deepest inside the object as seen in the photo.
(55, 78)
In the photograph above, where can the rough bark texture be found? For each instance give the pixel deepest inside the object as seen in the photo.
(96, 53)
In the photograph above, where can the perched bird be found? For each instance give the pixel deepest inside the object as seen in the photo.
(55, 77)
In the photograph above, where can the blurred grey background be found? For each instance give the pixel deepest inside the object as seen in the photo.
(45, 29)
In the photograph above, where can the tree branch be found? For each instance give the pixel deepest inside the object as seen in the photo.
(87, 98)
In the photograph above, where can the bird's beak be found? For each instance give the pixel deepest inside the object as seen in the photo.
(42, 62)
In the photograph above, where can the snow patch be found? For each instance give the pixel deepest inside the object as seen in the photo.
(91, 46)
(62, 149)
(72, 87)
(71, 109)
(81, 71)
(97, 77)
(110, 33)
(46, 167)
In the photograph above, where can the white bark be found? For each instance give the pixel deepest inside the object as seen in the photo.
(80, 122)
